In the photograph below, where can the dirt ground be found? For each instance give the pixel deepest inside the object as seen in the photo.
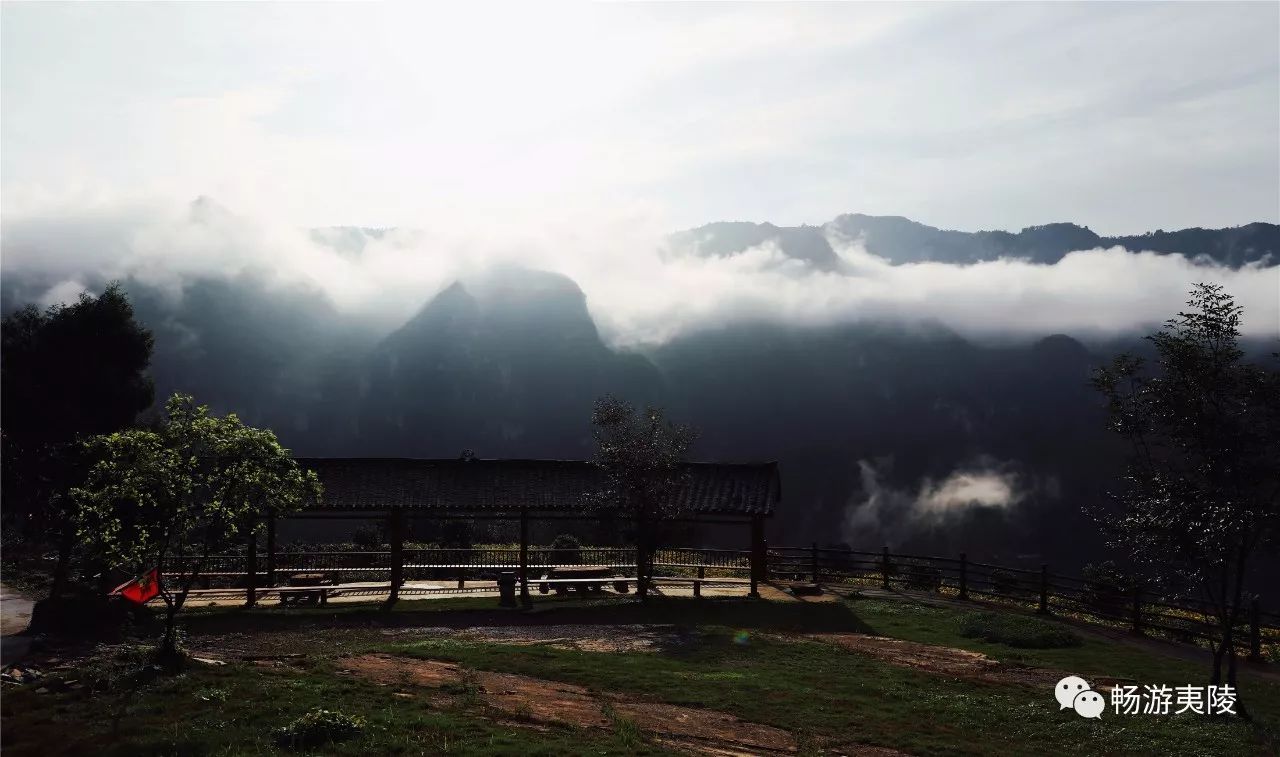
(527, 699)
(583, 638)
(938, 660)
(947, 661)
(15, 614)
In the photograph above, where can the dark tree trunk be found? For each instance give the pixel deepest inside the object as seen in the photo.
(168, 657)
(61, 571)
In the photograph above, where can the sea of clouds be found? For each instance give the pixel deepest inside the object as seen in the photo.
(637, 295)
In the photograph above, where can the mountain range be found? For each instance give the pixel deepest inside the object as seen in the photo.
(861, 414)
(901, 240)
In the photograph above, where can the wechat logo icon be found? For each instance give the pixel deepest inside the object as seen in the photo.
(1073, 693)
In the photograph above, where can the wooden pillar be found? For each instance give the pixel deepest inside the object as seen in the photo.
(758, 554)
(884, 567)
(813, 563)
(697, 585)
(964, 575)
(251, 571)
(524, 559)
(271, 551)
(642, 581)
(395, 535)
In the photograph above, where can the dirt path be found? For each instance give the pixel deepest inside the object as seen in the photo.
(15, 615)
(535, 700)
(626, 637)
(947, 661)
(1166, 647)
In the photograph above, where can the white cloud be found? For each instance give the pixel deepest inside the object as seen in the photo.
(573, 137)
(895, 512)
(636, 295)
(963, 489)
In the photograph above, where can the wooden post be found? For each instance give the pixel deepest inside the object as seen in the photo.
(758, 554)
(395, 535)
(884, 567)
(642, 526)
(1255, 631)
(1044, 590)
(251, 572)
(697, 585)
(964, 575)
(271, 551)
(813, 562)
(462, 578)
(1137, 610)
(524, 559)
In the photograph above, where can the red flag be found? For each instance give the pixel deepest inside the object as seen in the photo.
(142, 589)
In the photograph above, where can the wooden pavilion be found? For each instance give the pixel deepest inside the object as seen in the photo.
(401, 489)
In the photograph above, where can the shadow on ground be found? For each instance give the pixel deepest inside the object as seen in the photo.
(736, 613)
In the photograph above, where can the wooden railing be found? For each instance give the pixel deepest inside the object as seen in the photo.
(1180, 618)
(231, 573)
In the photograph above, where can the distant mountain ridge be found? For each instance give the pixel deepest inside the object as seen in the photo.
(901, 240)
(508, 361)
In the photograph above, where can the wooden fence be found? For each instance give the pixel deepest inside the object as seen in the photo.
(1182, 619)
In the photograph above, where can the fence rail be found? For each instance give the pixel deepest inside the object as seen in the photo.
(1183, 619)
(229, 574)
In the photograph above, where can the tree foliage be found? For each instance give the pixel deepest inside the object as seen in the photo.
(643, 457)
(75, 369)
(194, 485)
(1199, 500)
(68, 371)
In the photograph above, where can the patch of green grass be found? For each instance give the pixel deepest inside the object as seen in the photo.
(319, 727)
(167, 717)
(211, 694)
(1020, 631)
(628, 734)
(736, 663)
(1095, 656)
(825, 694)
(467, 690)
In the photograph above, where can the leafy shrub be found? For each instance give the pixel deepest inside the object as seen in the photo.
(1018, 631)
(923, 576)
(368, 537)
(572, 549)
(1106, 588)
(1007, 583)
(318, 727)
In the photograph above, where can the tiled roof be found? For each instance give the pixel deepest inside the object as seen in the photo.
(379, 483)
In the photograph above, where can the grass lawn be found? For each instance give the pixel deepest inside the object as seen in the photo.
(737, 659)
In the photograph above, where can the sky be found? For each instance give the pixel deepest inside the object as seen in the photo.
(1123, 117)
(575, 135)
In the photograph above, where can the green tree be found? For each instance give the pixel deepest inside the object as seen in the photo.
(1199, 500)
(643, 457)
(67, 371)
(171, 496)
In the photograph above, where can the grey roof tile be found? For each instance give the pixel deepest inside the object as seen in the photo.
(379, 483)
